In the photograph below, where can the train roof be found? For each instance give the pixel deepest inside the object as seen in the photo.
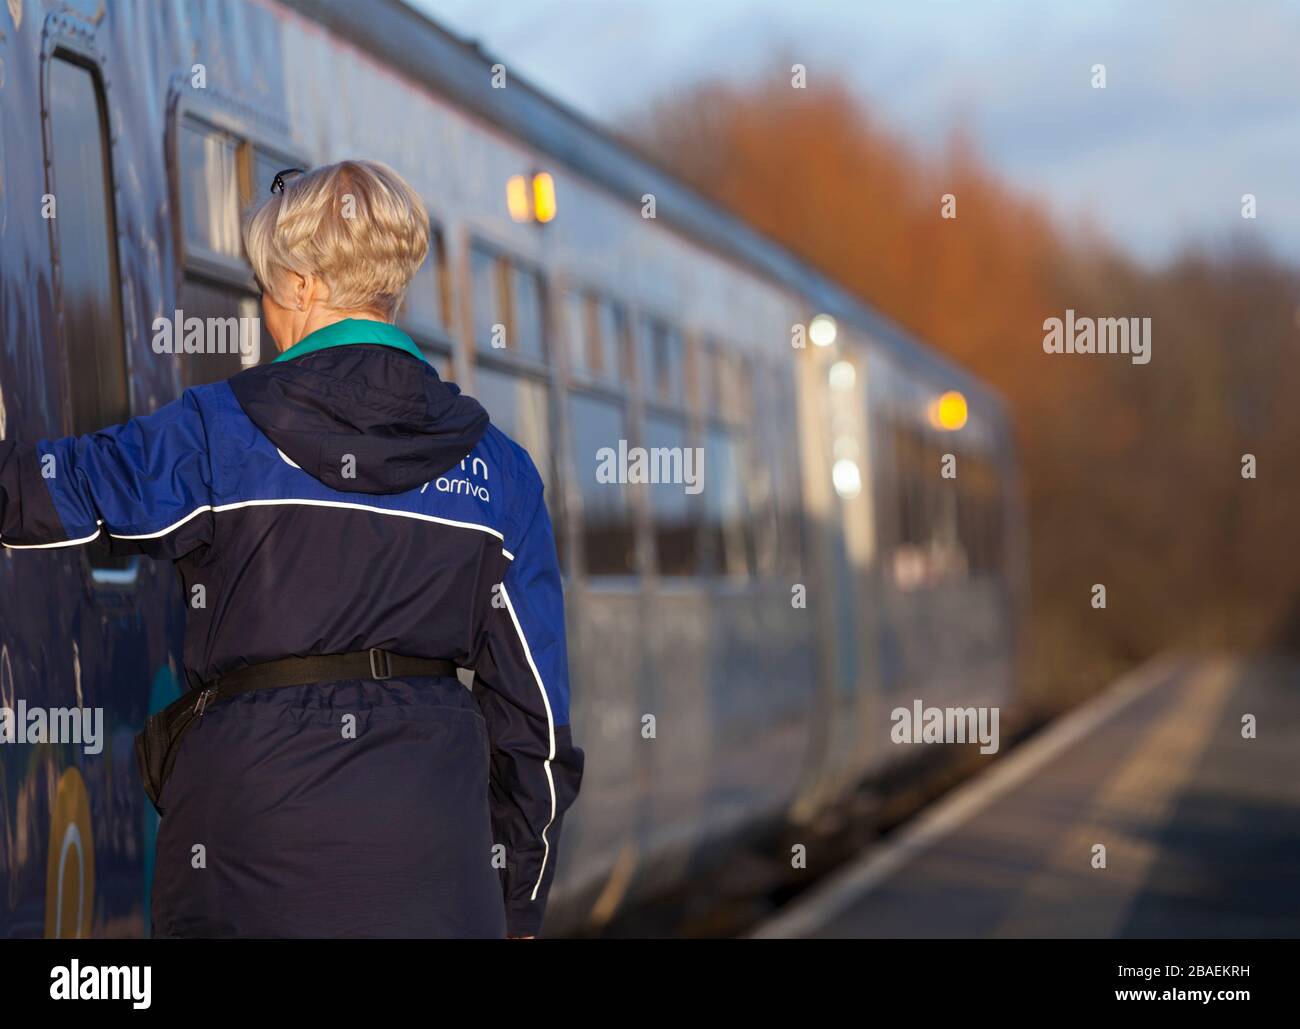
(423, 50)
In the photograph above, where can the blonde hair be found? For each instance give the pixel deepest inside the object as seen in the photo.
(355, 225)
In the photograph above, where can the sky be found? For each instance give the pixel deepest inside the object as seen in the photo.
(1201, 105)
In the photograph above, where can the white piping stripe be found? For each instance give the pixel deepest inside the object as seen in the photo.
(363, 507)
(49, 546)
(550, 727)
(265, 503)
(163, 532)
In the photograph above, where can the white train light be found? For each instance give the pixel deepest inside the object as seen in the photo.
(822, 330)
(847, 478)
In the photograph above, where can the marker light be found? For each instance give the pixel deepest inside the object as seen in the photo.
(823, 330)
(949, 411)
(543, 197)
(517, 198)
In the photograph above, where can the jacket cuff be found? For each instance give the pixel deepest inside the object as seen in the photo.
(524, 919)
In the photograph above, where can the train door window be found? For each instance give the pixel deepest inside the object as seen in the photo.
(86, 237)
(90, 297)
(672, 508)
(424, 311)
(210, 188)
(608, 533)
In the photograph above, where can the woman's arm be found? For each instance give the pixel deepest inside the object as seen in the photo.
(522, 687)
(147, 484)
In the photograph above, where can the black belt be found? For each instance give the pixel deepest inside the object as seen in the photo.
(157, 745)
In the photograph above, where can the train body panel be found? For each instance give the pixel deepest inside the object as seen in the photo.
(734, 650)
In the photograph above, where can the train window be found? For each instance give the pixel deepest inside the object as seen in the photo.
(609, 539)
(909, 462)
(509, 305)
(528, 316)
(442, 363)
(760, 475)
(672, 509)
(662, 362)
(424, 309)
(488, 291)
(737, 401)
(979, 513)
(87, 249)
(218, 172)
(611, 331)
(578, 327)
(786, 483)
(519, 407)
(210, 188)
(264, 168)
(596, 328)
(205, 300)
(726, 523)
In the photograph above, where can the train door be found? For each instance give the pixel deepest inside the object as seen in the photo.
(93, 655)
(840, 556)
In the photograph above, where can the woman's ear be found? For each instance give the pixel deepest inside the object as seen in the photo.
(300, 289)
(310, 291)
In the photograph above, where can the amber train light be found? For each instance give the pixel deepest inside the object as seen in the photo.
(531, 198)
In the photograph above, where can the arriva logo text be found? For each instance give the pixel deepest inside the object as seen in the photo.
(462, 485)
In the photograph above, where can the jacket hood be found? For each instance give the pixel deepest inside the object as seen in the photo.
(387, 410)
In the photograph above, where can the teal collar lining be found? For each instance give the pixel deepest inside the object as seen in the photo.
(351, 331)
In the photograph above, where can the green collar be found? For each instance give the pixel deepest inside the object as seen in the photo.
(350, 331)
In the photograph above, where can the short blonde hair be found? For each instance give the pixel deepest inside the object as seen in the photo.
(356, 225)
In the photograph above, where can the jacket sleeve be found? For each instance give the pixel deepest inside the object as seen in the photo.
(521, 683)
(147, 484)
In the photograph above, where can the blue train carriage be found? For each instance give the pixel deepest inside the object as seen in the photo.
(715, 709)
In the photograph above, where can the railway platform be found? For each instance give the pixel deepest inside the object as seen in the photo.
(1168, 806)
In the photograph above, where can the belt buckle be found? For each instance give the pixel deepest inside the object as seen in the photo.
(380, 666)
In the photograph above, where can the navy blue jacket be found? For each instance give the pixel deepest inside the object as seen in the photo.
(342, 500)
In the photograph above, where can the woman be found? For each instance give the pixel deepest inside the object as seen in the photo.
(347, 528)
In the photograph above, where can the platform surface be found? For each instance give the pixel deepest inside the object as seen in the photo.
(1201, 826)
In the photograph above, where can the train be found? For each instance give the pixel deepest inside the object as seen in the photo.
(735, 651)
